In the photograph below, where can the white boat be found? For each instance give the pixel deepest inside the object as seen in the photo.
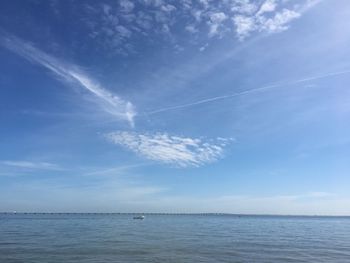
(139, 217)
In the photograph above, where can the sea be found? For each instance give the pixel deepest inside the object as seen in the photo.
(65, 238)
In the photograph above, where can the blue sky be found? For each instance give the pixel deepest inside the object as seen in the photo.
(234, 106)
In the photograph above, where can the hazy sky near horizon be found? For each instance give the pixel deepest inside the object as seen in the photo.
(234, 106)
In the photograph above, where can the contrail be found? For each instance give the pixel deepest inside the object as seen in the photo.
(70, 73)
(303, 9)
(208, 100)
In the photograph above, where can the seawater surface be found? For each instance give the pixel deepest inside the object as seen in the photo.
(172, 238)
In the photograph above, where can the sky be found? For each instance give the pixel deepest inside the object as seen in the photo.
(188, 106)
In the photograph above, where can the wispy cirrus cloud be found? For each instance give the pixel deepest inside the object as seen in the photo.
(69, 73)
(165, 148)
(31, 165)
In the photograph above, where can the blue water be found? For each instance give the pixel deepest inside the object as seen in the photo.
(172, 238)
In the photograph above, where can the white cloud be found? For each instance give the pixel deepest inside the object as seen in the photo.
(155, 3)
(186, 4)
(126, 5)
(279, 22)
(243, 7)
(204, 47)
(191, 28)
(31, 165)
(168, 8)
(117, 29)
(218, 17)
(111, 103)
(162, 147)
(205, 3)
(106, 9)
(213, 30)
(197, 14)
(123, 31)
(144, 21)
(216, 20)
(165, 29)
(310, 4)
(319, 194)
(267, 6)
(244, 26)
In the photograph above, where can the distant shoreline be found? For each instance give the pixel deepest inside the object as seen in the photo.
(167, 214)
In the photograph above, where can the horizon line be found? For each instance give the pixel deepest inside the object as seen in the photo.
(170, 213)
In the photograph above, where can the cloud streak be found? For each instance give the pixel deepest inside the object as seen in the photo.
(247, 92)
(164, 148)
(31, 165)
(114, 105)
